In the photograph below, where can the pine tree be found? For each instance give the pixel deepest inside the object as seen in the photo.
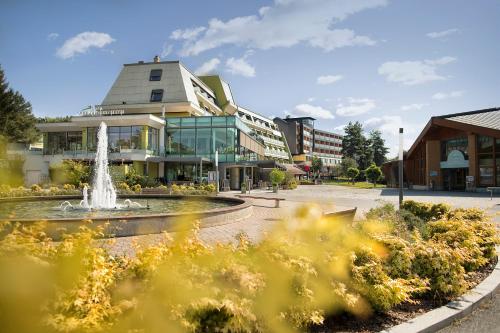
(356, 146)
(17, 122)
(378, 147)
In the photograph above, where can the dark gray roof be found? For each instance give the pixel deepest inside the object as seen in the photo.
(488, 118)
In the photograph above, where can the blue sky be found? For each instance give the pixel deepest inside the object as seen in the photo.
(385, 63)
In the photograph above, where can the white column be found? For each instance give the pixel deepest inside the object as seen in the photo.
(161, 169)
(162, 141)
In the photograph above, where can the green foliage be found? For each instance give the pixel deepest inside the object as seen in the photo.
(276, 176)
(302, 270)
(136, 188)
(441, 265)
(70, 172)
(346, 164)
(426, 211)
(316, 164)
(134, 178)
(289, 182)
(373, 173)
(11, 167)
(378, 147)
(14, 192)
(352, 173)
(17, 122)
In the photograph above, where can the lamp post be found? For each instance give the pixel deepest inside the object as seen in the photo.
(217, 169)
(400, 169)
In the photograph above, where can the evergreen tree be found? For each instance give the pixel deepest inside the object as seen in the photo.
(378, 147)
(17, 122)
(356, 146)
(353, 140)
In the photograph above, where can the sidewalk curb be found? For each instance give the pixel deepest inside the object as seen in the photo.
(444, 316)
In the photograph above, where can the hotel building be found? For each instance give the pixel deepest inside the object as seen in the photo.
(168, 123)
(459, 151)
(306, 141)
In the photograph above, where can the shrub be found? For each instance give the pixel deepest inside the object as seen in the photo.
(69, 187)
(352, 173)
(123, 187)
(441, 265)
(276, 176)
(373, 174)
(36, 188)
(136, 188)
(426, 211)
(289, 181)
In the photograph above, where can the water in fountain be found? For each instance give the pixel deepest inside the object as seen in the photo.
(103, 191)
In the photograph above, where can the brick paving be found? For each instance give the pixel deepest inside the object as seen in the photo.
(328, 197)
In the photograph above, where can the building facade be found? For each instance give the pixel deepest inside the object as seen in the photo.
(305, 141)
(459, 151)
(167, 123)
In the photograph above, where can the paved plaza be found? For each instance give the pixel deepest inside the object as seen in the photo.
(334, 198)
(329, 197)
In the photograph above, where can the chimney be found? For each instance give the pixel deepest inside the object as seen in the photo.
(156, 59)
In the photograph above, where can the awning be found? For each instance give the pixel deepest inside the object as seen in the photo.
(294, 170)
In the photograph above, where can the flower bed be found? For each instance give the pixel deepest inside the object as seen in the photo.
(307, 274)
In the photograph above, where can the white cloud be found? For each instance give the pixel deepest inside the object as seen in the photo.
(313, 111)
(240, 67)
(207, 67)
(340, 129)
(186, 34)
(412, 107)
(389, 127)
(82, 42)
(355, 107)
(52, 36)
(166, 50)
(453, 94)
(328, 79)
(441, 34)
(284, 24)
(413, 72)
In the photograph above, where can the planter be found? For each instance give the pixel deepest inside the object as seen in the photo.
(275, 188)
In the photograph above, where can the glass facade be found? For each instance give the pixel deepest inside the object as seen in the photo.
(61, 142)
(122, 138)
(203, 136)
(486, 161)
(459, 144)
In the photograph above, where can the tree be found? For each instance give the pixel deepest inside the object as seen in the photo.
(347, 162)
(317, 164)
(352, 173)
(373, 173)
(17, 122)
(276, 176)
(378, 147)
(355, 145)
(352, 140)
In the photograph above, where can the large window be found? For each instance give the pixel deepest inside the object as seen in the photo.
(155, 75)
(153, 139)
(459, 144)
(156, 95)
(63, 142)
(135, 138)
(486, 161)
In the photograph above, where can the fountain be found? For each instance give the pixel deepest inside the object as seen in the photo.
(103, 190)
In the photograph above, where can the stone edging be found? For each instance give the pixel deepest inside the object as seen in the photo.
(444, 316)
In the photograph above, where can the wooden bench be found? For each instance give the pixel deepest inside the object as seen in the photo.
(491, 190)
(276, 200)
(343, 215)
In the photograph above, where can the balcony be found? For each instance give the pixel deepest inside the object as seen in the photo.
(274, 142)
(276, 153)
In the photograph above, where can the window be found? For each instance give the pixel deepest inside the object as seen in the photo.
(156, 95)
(155, 75)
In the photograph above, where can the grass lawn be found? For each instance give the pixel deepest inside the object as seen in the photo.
(356, 184)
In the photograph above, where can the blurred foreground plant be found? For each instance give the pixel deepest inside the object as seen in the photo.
(305, 269)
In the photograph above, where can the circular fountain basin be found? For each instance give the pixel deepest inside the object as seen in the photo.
(165, 213)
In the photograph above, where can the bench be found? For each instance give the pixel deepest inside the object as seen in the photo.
(343, 215)
(276, 200)
(491, 190)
